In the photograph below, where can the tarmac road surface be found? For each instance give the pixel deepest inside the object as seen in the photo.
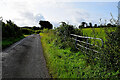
(25, 59)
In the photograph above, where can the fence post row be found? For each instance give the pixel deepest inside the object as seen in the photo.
(84, 37)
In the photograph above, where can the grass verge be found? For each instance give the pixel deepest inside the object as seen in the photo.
(9, 41)
(26, 35)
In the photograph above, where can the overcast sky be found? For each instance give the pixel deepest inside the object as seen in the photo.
(30, 12)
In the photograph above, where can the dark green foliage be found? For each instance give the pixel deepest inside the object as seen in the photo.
(117, 36)
(83, 24)
(80, 26)
(65, 29)
(109, 25)
(112, 50)
(37, 31)
(35, 28)
(63, 32)
(95, 26)
(10, 30)
(9, 41)
(10, 33)
(27, 31)
(90, 24)
(45, 24)
(30, 30)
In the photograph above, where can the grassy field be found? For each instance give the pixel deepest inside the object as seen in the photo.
(63, 63)
(97, 33)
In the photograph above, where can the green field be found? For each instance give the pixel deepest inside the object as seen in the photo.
(97, 32)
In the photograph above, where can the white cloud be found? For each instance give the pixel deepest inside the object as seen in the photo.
(29, 12)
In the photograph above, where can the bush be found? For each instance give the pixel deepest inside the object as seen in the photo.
(112, 50)
(63, 36)
(37, 31)
(27, 31)
(10, 29)
(45, 30)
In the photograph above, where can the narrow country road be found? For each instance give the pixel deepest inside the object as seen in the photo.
(25, 59)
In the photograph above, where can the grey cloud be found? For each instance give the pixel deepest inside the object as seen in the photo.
(30, 19)
(31, 16)
(27, 15)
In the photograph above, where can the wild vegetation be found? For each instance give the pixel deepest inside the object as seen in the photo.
(10, 33)
(45, 24)
(65, 61)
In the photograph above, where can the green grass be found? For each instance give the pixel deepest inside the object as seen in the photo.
(97, 33)
(63, 63)
(9, 41)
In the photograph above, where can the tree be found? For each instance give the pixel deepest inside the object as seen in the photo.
(109, 25)
(34, 27)
(10, 29)
(80, 26)
(95, 26)
(83, 24)
(63, 23)
(45, 24)
(90, 24)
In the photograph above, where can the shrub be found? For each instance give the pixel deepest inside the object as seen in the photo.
(112, 50)
(27, 31)
(63, 36)
(10, 29)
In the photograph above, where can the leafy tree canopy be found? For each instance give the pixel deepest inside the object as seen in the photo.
(45, 24)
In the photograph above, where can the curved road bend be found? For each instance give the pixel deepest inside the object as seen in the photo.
(25, 59)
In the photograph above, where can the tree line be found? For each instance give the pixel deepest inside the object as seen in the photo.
(90, 25)
(10, 29)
